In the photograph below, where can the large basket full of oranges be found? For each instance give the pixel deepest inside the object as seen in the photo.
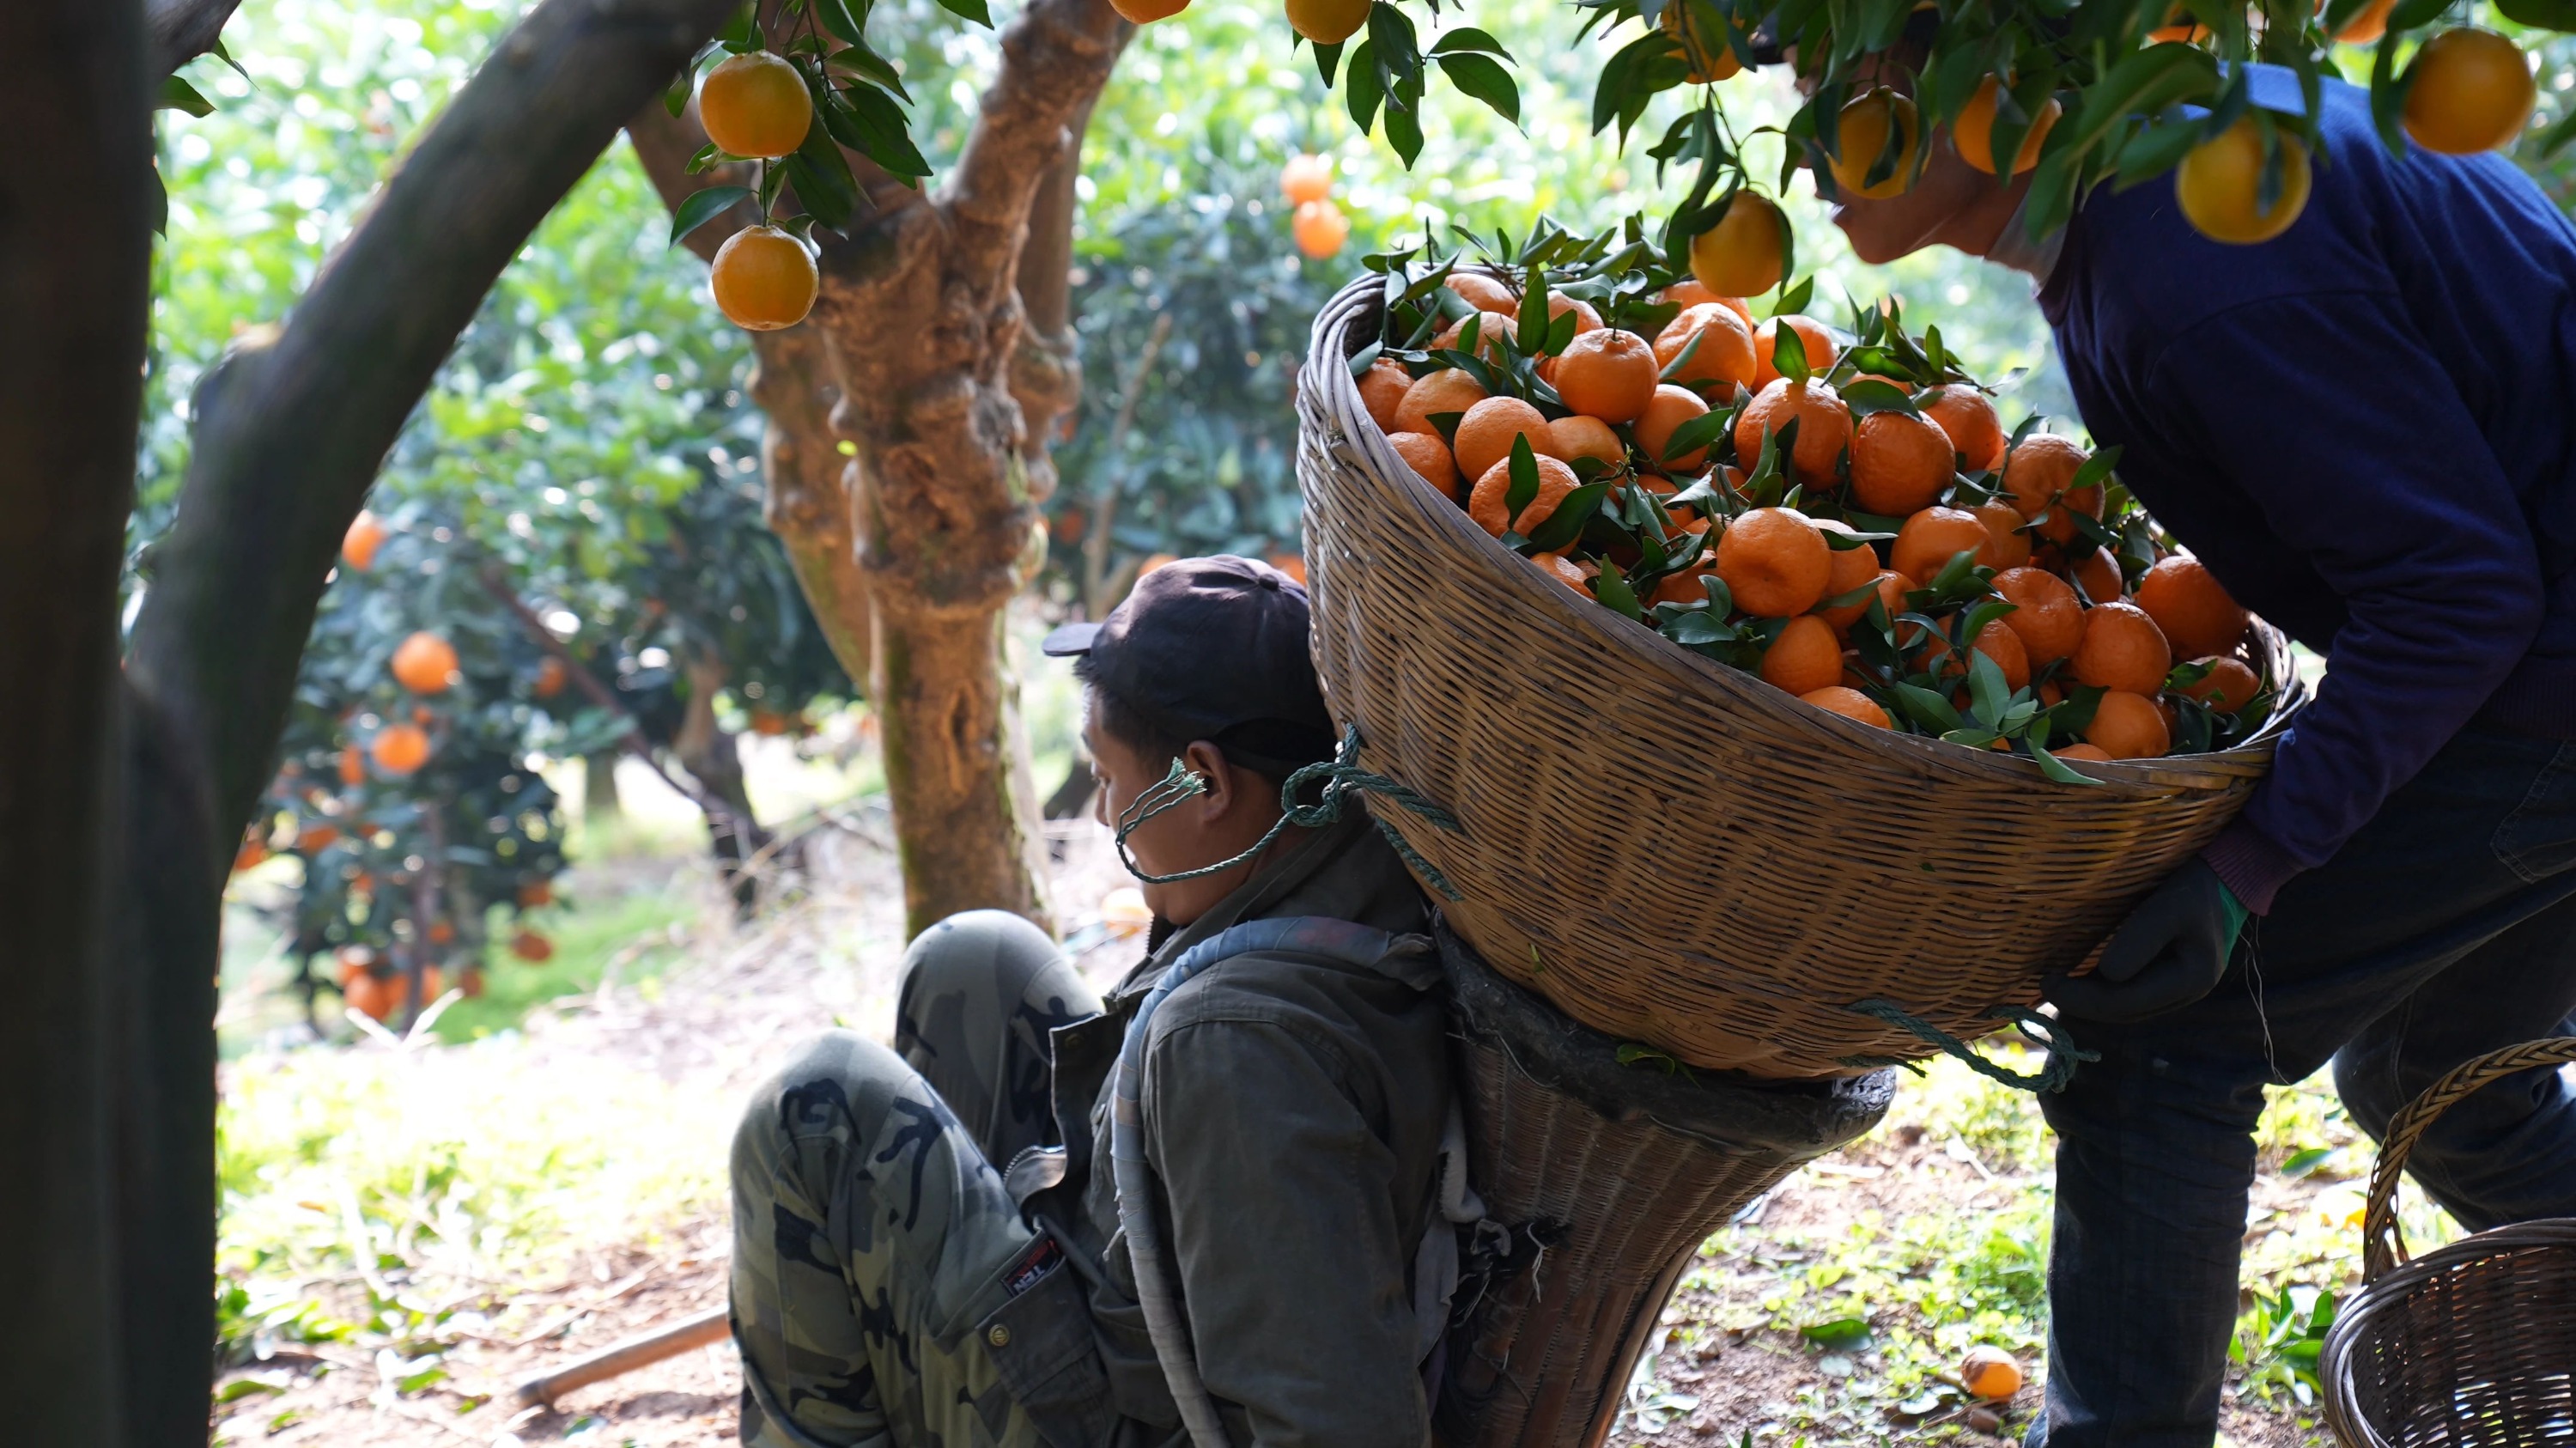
(1790, 712)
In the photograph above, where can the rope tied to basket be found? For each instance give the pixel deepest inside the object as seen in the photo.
(2057, 1067)
(1343, 780)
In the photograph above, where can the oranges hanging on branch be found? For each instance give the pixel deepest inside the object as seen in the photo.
(1836, 511)
(789, 112)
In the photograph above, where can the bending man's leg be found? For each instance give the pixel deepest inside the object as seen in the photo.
(980, 992)
(2506, 1153)
(873, 1250)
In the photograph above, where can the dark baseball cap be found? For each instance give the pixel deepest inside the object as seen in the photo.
(1215, 649)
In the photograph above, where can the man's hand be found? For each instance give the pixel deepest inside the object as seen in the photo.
(2169, 952)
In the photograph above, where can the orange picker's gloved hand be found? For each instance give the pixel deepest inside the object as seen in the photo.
(2169, 953)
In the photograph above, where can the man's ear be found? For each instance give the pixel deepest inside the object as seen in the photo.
(1208, 762)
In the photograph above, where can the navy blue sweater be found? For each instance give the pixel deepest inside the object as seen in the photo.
(2366, 428)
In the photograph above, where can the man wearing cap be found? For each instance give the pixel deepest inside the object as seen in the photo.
(927, 1242)
(2362, 428)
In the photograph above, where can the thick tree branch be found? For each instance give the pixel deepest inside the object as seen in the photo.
(292, 429)
(181, 30)
(1046, 367)
(74, 285)
(1055, 58)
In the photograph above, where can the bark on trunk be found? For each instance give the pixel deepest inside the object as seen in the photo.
(950, 391)
(73, 290)
(599, 803)
(714, 758)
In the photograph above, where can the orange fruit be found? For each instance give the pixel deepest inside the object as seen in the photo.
(2366, 27)
(1824, 427)
(1483, 292)
(2003, 521)
(2094, 752)
(2037, 472)
(2230, 684)
(551, 677)
(1608, 374)
(1429, 456)
(1493, 490)
(1574, 575)
(1812, 335)
(1805, 657)
(2471, 92)
(1309, 177)
(315, 836)
(2219, 184)
(2098, 574)
(1929, 539)
(1328, 22)
(755, 105)
(2045, 613)
(1990, 1373)
(353, 765)
(2129, 726)
(1892, 588)
(1672, 406)
(1688, 293)
(1852, 567)
(1491, 330)
(768, 723)
(2187, 603)
(252, 851)
(1586, 437)
(1682, 587)
(1848, 702)
(1146, 12)
(368, 994)
(1382, 391)
(536, 893)
(350, 962)
(1485, 434)
(764, 279)
(1741, 256)
(1775, 562)
(2123, 650)
(1586, 319)
(1878, 132)
(1450, 389)
(532, 947)
(440, 932)
(358, 546)
(1725, 354)
(1319, 228)
(1995, 641)
(1899, 464)
(2180, 25)
(424, 663)
(1972, 135)
(399, 748)
(1968, 417)
(1291, 564)
(1706, 52)
(471, 985)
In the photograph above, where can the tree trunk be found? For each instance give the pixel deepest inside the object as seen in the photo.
(950, 391)
(714, 758)
(73, 294)
(599, 803)
(133, 789)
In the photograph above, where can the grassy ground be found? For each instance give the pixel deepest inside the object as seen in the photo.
(408, 1228)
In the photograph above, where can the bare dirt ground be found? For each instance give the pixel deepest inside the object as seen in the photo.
(1724, 1368)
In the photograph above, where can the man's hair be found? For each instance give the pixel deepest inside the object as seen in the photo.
(1121, 720)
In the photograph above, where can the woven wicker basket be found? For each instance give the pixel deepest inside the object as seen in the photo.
(2469, 1344)
(1604, 1179)
(1671, 850)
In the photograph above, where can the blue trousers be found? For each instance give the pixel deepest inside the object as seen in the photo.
(2444, 930)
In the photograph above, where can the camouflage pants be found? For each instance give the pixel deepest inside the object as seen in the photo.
(886, 1293)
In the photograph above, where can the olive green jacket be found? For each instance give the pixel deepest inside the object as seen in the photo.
(1294, 1109)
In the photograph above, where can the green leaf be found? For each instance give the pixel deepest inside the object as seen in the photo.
(870, 123)
(1613, 591)
(1789, 353)
(1566, 524)
(1524, 480)
(1365, 358)
(178, 95)
(741, 34)
(1362, 91)
(2056, 768)
(1466, 38)
(974, 10)
(705, 206)
(1681, 359)
(1481, 78)
(1327, 57)
(1534, 317)
(1841, 1332)
(1693, 435)
(1987, 687)
(864, 62)
(1870, 395)
(675, 96)
(821, 175)
(2302, 1163)
(1795, 299)
(1927, 708)
(836, 18)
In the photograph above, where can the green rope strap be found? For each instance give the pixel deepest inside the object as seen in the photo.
(1342, 778)
(2049, 1035)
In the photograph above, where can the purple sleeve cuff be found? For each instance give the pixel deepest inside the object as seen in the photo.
(2252, 867)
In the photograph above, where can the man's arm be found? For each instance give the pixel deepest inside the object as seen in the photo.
(2378, 473)
(1291, 1263)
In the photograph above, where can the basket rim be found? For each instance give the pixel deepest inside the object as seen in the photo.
(2389, 1293)
(1328, 379)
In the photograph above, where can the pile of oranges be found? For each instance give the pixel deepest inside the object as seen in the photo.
(1838, 512)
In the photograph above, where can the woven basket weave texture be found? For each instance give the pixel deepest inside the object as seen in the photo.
(1671, 850)
(1622, 1173)
(2472, 1345)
